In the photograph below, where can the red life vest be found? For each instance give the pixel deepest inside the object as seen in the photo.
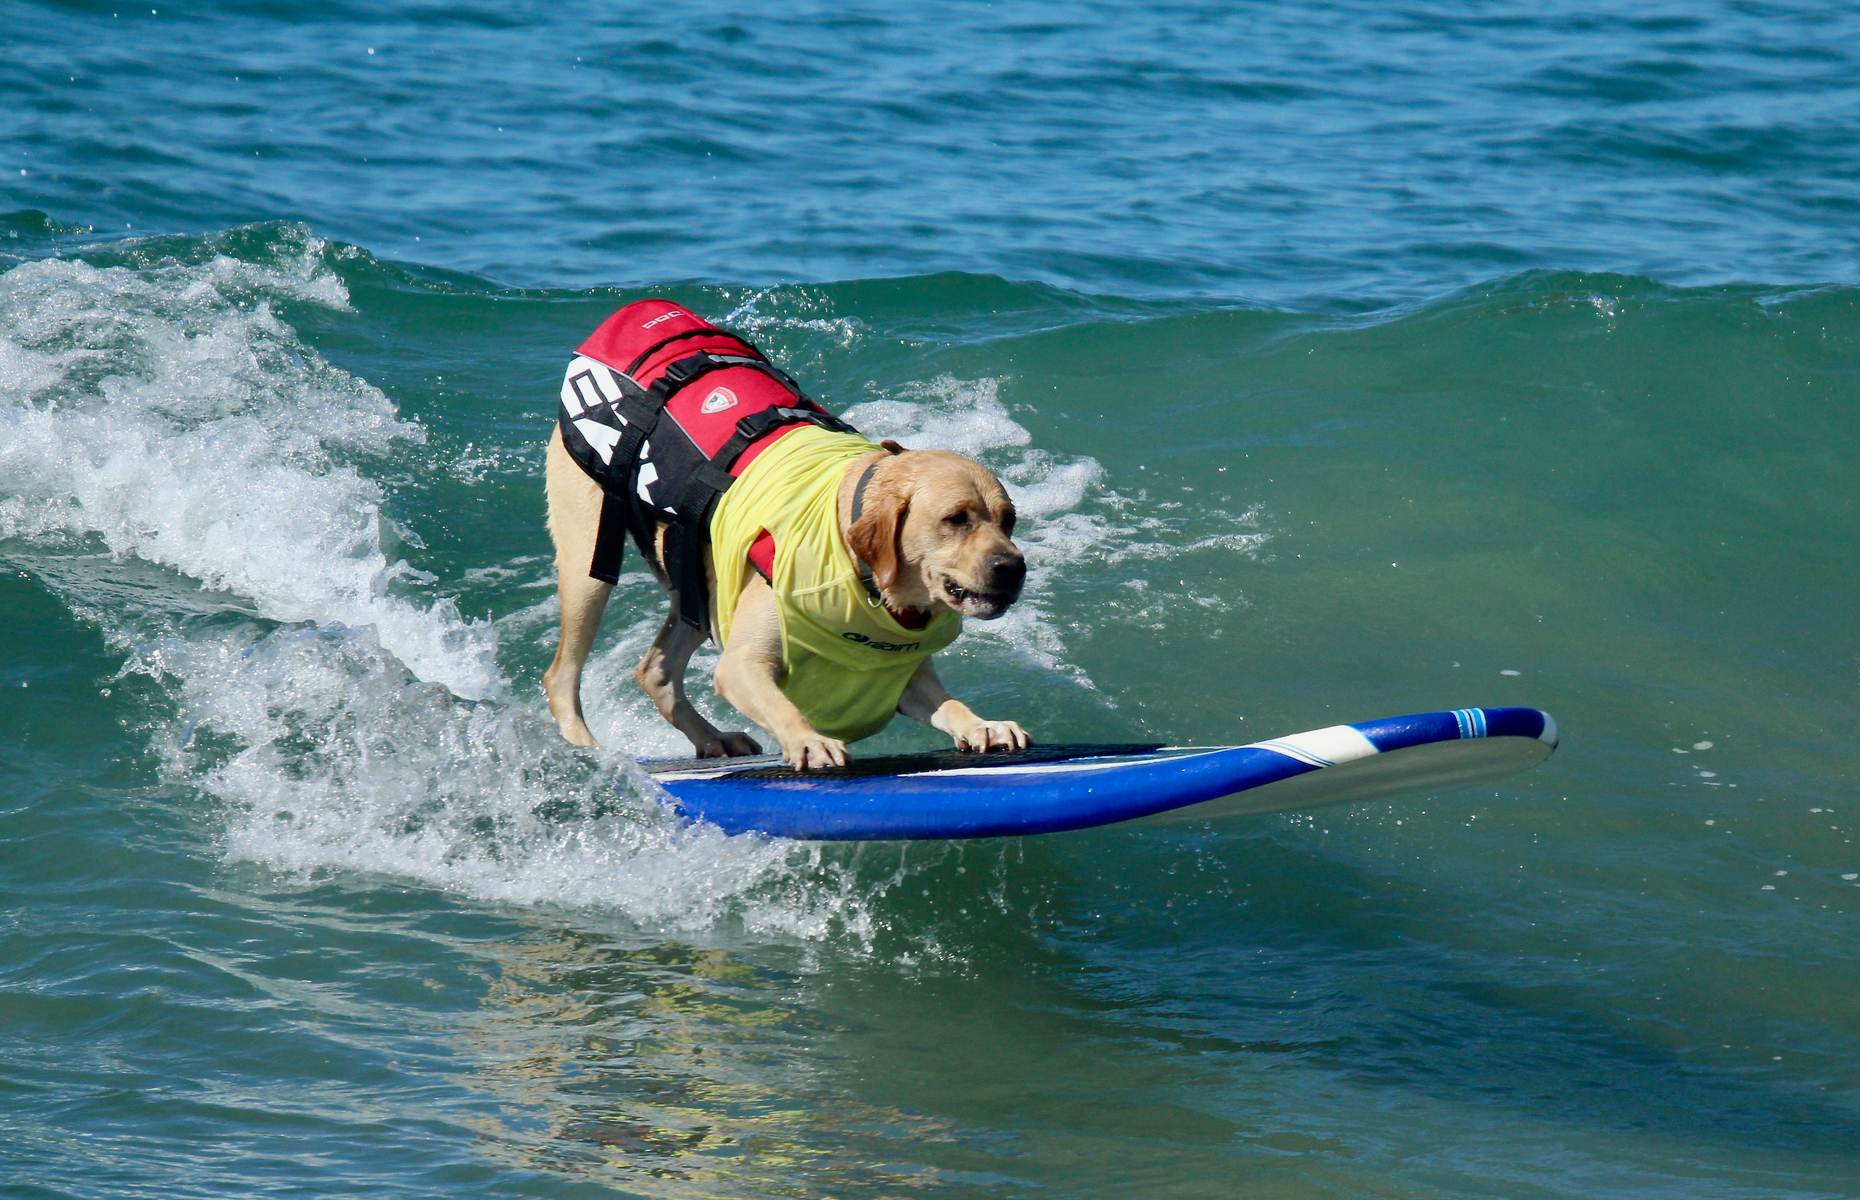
(664, 410)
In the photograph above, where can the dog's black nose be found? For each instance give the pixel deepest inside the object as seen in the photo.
(1006, 572)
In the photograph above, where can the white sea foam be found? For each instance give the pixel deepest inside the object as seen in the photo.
(170, 413)
(749, 319)
(328, 753)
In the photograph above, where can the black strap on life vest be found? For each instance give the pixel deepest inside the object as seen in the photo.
(620, 511)
(610, 541)
(696, 499)
(687, 371)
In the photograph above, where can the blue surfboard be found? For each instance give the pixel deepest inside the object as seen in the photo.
(1048, 789)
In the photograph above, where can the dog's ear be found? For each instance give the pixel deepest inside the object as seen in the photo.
(874, 536)
(892, 446)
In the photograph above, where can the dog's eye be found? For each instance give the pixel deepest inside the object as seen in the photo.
(958, 518)
(1007, 522)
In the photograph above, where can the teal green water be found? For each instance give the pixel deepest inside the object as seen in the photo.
(304, 891)
(1344, 361)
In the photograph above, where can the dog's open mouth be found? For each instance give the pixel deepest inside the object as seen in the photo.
(976, 604)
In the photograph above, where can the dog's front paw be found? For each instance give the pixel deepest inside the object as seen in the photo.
(993, 735)
(814, 751)
(726, 745)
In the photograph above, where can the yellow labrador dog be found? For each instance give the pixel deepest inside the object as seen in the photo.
(834, 567)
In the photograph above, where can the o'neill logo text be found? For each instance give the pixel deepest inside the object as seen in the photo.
(719, 400)
(871, 644)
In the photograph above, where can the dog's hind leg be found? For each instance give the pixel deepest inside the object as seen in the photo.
(662, 674)
(574, 523)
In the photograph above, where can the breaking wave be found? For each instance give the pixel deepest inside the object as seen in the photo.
(187, 472)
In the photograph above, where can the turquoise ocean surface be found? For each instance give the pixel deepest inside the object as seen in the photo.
(1345, 359)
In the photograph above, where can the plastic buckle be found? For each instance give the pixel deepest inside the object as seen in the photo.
(685, 369)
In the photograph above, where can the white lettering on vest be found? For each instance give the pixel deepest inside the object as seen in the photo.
(870, 644)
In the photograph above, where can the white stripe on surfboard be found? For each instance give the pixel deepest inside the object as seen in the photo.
(1322, 747)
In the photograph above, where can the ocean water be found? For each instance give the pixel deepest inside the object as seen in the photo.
(1344, 359)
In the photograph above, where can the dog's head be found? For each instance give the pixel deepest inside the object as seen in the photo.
(937, 530)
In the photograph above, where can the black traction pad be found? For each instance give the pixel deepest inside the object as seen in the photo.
(771, 766)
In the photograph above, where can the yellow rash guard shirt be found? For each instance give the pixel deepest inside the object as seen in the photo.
(845, 661)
